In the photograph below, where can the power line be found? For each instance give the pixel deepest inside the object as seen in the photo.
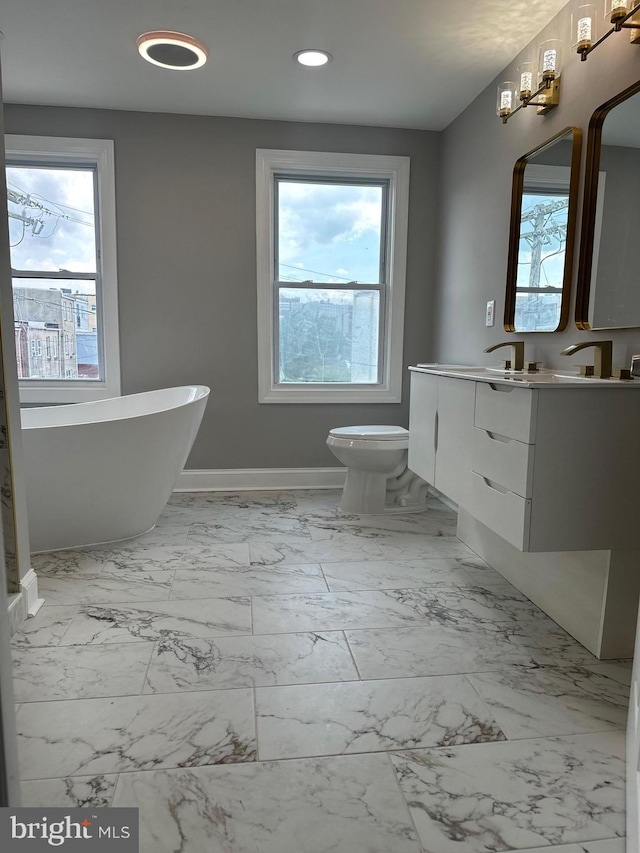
(315, 272)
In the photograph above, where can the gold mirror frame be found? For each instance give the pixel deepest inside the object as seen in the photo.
(585, 264)
(514, 230)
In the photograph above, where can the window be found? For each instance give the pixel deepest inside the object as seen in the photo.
(61, 204)
(543, 240)
(331, 251)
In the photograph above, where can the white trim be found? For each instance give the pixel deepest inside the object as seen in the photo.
(29, 589)
(98, 152)
(396, 169)
(595, 257)
(261, 479)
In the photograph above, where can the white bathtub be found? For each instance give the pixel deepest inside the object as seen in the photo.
(103, 471)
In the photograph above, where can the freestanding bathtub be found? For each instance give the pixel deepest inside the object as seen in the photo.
(103, 471)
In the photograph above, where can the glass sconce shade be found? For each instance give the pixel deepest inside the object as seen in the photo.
(550, 63)
(616, 10)
(583, 27)
(507, 98)
(525, 79)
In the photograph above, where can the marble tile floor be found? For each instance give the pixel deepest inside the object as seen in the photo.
(263, 673)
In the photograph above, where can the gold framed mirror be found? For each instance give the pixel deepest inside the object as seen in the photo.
(608, 295)
(544, 198)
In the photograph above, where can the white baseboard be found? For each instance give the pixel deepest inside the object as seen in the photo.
(29, 589)
(259, 479)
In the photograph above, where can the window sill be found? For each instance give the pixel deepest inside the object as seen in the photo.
(346, 395)
(48, 395)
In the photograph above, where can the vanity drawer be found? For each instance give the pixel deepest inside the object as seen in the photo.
(506, 410)
(503, 460)
(502, 511)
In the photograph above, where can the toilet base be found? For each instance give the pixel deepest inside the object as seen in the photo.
(374, 493)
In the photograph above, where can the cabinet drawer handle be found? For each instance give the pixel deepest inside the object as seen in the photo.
(495, 487)
(504, 389)
(501, 439)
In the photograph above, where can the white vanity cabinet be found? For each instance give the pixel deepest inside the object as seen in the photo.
(440, 433)
(549, 468)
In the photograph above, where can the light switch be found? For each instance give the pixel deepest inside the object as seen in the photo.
(491, 312)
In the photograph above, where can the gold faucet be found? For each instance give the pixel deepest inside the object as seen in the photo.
(517, 354)
(602, 361)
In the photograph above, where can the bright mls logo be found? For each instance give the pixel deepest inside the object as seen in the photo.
(103, 830)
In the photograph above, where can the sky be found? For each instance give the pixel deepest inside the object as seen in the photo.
(329, 232)
(55, 242)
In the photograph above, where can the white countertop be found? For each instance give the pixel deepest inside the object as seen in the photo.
(543, 378)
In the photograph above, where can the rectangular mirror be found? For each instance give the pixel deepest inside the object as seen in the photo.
(608, 293)
(541, 235)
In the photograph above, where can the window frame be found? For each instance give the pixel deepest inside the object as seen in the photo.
(99, 155)
(275, 163)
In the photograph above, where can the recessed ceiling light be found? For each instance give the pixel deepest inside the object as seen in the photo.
(312, 58)
(167, 49)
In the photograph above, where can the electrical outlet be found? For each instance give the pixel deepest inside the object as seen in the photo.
(491, 312)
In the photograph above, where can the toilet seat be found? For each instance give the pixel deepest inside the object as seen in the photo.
(371, 432)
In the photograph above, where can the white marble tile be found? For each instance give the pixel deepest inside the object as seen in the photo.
(491, 603)
(388, 608)
(103, 588)
(46, 628)
(135, 733)
(333, 805)
(395, 574)
(184, 663)
(253, 529)
(399, 546)
(253, 580)
(337, 549)
(619, 671)
(76, 564)
(381, 527)
(609, 845)
(554, 640)
(552, 700)
(168, 534)
(441, 650)
(370, 716)
(176, 558)
(79, 672)
(71, 792)
(507, 796)
(215, 617)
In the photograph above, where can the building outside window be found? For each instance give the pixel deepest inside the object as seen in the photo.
(61, 205)
(331, 238)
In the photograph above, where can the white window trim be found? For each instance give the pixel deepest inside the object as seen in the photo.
(396, 170)
(98, 152)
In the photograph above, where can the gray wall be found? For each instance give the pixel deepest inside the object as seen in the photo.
(185, 195)
(478, 157)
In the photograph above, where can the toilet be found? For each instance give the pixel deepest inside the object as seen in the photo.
(378, 480)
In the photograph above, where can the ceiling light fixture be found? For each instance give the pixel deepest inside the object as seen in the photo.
(312, 58)
(167, 49)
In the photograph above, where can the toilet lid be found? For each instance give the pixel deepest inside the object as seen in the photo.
(380, 432)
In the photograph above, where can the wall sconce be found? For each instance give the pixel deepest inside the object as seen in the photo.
(547, 92)
(621, 15)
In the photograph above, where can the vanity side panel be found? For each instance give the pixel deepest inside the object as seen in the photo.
(587, 469)
(569, 586)
(456, 404)
(423, 413)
